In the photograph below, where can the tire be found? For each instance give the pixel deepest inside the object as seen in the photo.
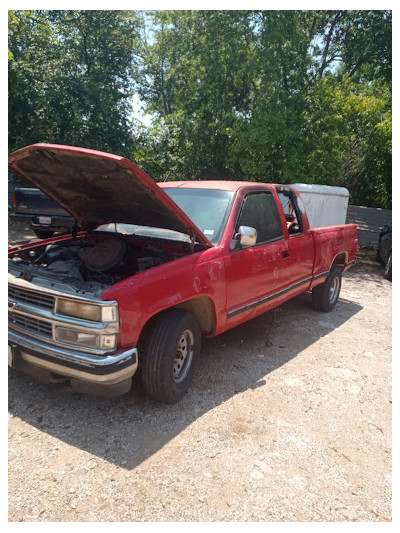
(388, 268)
(170, 356)
(42, 233)
(325, 296)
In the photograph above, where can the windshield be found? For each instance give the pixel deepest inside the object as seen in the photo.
(207, 208)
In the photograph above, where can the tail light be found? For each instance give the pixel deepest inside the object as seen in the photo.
(14, 200)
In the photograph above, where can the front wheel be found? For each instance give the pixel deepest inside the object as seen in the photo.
(170, 356)
(325, 296)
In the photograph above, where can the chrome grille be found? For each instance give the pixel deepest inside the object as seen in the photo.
(27, 323)
(38, 299)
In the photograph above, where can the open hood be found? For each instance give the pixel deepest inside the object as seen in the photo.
(99, 188)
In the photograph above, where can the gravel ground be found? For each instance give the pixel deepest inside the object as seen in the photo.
(288, 419)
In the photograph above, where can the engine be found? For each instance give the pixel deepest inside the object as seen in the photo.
(92, 263)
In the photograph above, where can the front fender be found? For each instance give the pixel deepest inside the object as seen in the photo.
(146, 294)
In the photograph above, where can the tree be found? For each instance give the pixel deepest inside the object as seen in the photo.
(30, 45)
(283, 96)
(349, 134)
(272, 96)
(197, 82)
(71, 77)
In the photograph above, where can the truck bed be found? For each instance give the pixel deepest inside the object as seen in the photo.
(332, 241)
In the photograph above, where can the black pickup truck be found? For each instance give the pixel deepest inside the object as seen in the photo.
(46, 216)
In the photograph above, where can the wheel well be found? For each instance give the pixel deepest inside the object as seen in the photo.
(203, 309)
(340, 259)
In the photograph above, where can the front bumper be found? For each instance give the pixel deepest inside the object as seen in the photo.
(108, 369)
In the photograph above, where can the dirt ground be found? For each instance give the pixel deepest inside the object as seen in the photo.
(288, 419)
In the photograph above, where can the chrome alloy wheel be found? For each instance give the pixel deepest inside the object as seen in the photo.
(184, 356)
(334, 290)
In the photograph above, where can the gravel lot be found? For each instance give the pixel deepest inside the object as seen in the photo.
(288, 419)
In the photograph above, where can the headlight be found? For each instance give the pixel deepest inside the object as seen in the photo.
(86, 340)
(96, 313)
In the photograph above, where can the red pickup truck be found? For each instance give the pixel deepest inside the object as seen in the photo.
(157, 267)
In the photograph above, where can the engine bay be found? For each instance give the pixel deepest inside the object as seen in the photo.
(95, 261)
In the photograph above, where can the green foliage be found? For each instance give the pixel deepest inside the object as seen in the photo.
(284, 96)
(199, 84)
(352, 124)
(70, 78)
(281, 96)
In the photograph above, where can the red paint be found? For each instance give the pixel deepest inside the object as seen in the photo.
(227, 278)
(234, 281)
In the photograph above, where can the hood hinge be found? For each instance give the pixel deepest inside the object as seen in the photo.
(192, 235)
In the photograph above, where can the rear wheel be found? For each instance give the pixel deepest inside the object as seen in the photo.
(325, 296)
(170, 356)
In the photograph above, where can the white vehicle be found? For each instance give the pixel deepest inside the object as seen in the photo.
(325, 205)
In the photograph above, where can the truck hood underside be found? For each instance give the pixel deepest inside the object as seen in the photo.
(99, 188)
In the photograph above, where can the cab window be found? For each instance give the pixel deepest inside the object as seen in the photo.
(291, 209)
(259, 211)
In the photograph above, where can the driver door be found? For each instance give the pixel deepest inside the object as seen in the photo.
(255, 274)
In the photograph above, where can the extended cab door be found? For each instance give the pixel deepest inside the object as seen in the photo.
(256, 275)
(300, 239)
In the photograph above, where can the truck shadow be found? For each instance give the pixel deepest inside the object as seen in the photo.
(128, 430)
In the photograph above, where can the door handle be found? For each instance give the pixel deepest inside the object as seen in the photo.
(285, 253)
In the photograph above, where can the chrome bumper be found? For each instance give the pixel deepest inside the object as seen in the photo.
(108, 369)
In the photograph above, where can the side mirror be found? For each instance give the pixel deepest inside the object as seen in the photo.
(247, 236)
